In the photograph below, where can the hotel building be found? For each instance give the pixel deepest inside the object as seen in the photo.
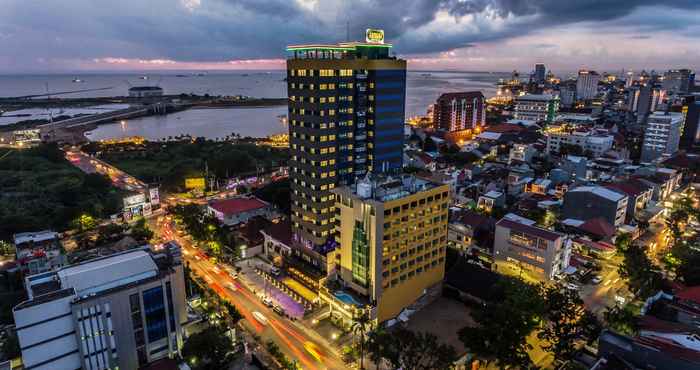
(393, 235)
(536, 108)
(346, 119)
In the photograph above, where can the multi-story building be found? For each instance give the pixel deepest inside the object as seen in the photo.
(691, 126)
(678, 81)
(523, 248)
(120, 311)
(346, 118)
(567, 93)
(536, 108)
(592, 142)
(588, 202)
(587, 84)
(37, 252)
(662, 135)
(540, 72)
(459, 111)
(393, 235)
(644, 99)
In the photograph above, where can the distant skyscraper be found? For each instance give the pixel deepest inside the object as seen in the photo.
(459, 111)
(691, 119)
(567, 93)
(677, 81)
(540, 72)
(661, 135)
(629, 79)
(346, 118)
(587, 84)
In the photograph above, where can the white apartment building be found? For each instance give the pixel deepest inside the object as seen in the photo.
(662, 135)
(121, 311)
(587, 84)
(522, 248)
(536, 108)
(589, 141)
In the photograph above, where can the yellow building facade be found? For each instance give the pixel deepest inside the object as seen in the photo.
(392, 236)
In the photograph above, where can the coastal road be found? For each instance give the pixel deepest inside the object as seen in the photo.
(119, 178)
(295, 341)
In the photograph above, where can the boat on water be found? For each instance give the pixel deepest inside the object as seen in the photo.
(144, 77)
(77, 80)
(425, 74)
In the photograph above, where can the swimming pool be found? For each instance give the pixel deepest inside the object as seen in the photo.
(346, 298)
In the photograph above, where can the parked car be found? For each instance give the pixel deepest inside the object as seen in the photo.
(596, 280)
(571, 286)
(275, 271)
(260, 317)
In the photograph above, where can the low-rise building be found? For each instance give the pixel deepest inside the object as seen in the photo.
(468, 231)
(145, 91)
(521, 248)
(37, 252)
(589, 141)
(392, 236)
(522, 153)
(536, 108)
(639, 194)
(120, 311)
(237, 210)
(587, 202)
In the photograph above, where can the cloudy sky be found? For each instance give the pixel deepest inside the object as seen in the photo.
(481, 35)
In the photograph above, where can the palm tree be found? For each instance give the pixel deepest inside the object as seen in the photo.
(360, 326)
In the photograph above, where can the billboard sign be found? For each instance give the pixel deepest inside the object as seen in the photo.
(154, 195)
(374, 36)
(195, 183)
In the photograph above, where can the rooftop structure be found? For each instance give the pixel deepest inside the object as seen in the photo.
(238, 210)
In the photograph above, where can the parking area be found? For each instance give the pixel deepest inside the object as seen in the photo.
(265, 285)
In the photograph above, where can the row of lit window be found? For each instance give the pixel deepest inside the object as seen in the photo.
(329, 162)
(414, 204)
(314, 174)
(314, 186)
(313, 138)
(391, 257)
(314, 198)
(410, 274)
(320, 72)
(302, 86)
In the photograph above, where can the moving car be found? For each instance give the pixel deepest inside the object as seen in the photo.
(274, 271)
(231, 286)
(260, 317)
(279, 310)
(267, 301)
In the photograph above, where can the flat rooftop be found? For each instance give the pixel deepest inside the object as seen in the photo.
(35, 236)
(385, 188)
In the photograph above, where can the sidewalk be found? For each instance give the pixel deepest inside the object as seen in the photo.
(258, 284)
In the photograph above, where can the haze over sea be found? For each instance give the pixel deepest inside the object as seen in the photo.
(422, 89)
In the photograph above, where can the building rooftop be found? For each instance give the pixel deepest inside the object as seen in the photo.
(385, 188)
(536, 97)
(467, 94)
(146, 88)
(529, 230)
(35, 236)
(599, 191)
(100, 274)
(237, 205)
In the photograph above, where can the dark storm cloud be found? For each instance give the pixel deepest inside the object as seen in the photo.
(219, 30)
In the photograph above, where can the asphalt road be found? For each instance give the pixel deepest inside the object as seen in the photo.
(119, 178)
(295, 341)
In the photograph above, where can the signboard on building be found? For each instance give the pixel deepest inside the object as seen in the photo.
(374, 36)
(195, 183)
(154, 196)
(134, 200)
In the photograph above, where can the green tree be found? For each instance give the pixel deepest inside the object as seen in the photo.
(504, 323)
(361, 323)
(6, 248)
(567, 322)
(209, 349)
(643, 276)
(409, 350)
(140, 231)
(10, 348)
(84, 222)
(622, 242)
(621, 320)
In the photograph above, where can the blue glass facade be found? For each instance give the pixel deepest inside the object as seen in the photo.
(154, 310)
(389, 118)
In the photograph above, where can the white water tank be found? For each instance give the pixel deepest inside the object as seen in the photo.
(364, 189)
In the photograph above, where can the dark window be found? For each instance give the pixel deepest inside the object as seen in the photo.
(171, 309)
(134, 302)
(154, 309)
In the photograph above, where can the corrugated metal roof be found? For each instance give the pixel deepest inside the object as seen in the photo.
(105, 273)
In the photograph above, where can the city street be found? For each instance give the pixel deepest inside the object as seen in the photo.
(295, 341)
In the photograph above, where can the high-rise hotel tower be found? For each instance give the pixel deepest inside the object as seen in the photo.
(346, 118)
